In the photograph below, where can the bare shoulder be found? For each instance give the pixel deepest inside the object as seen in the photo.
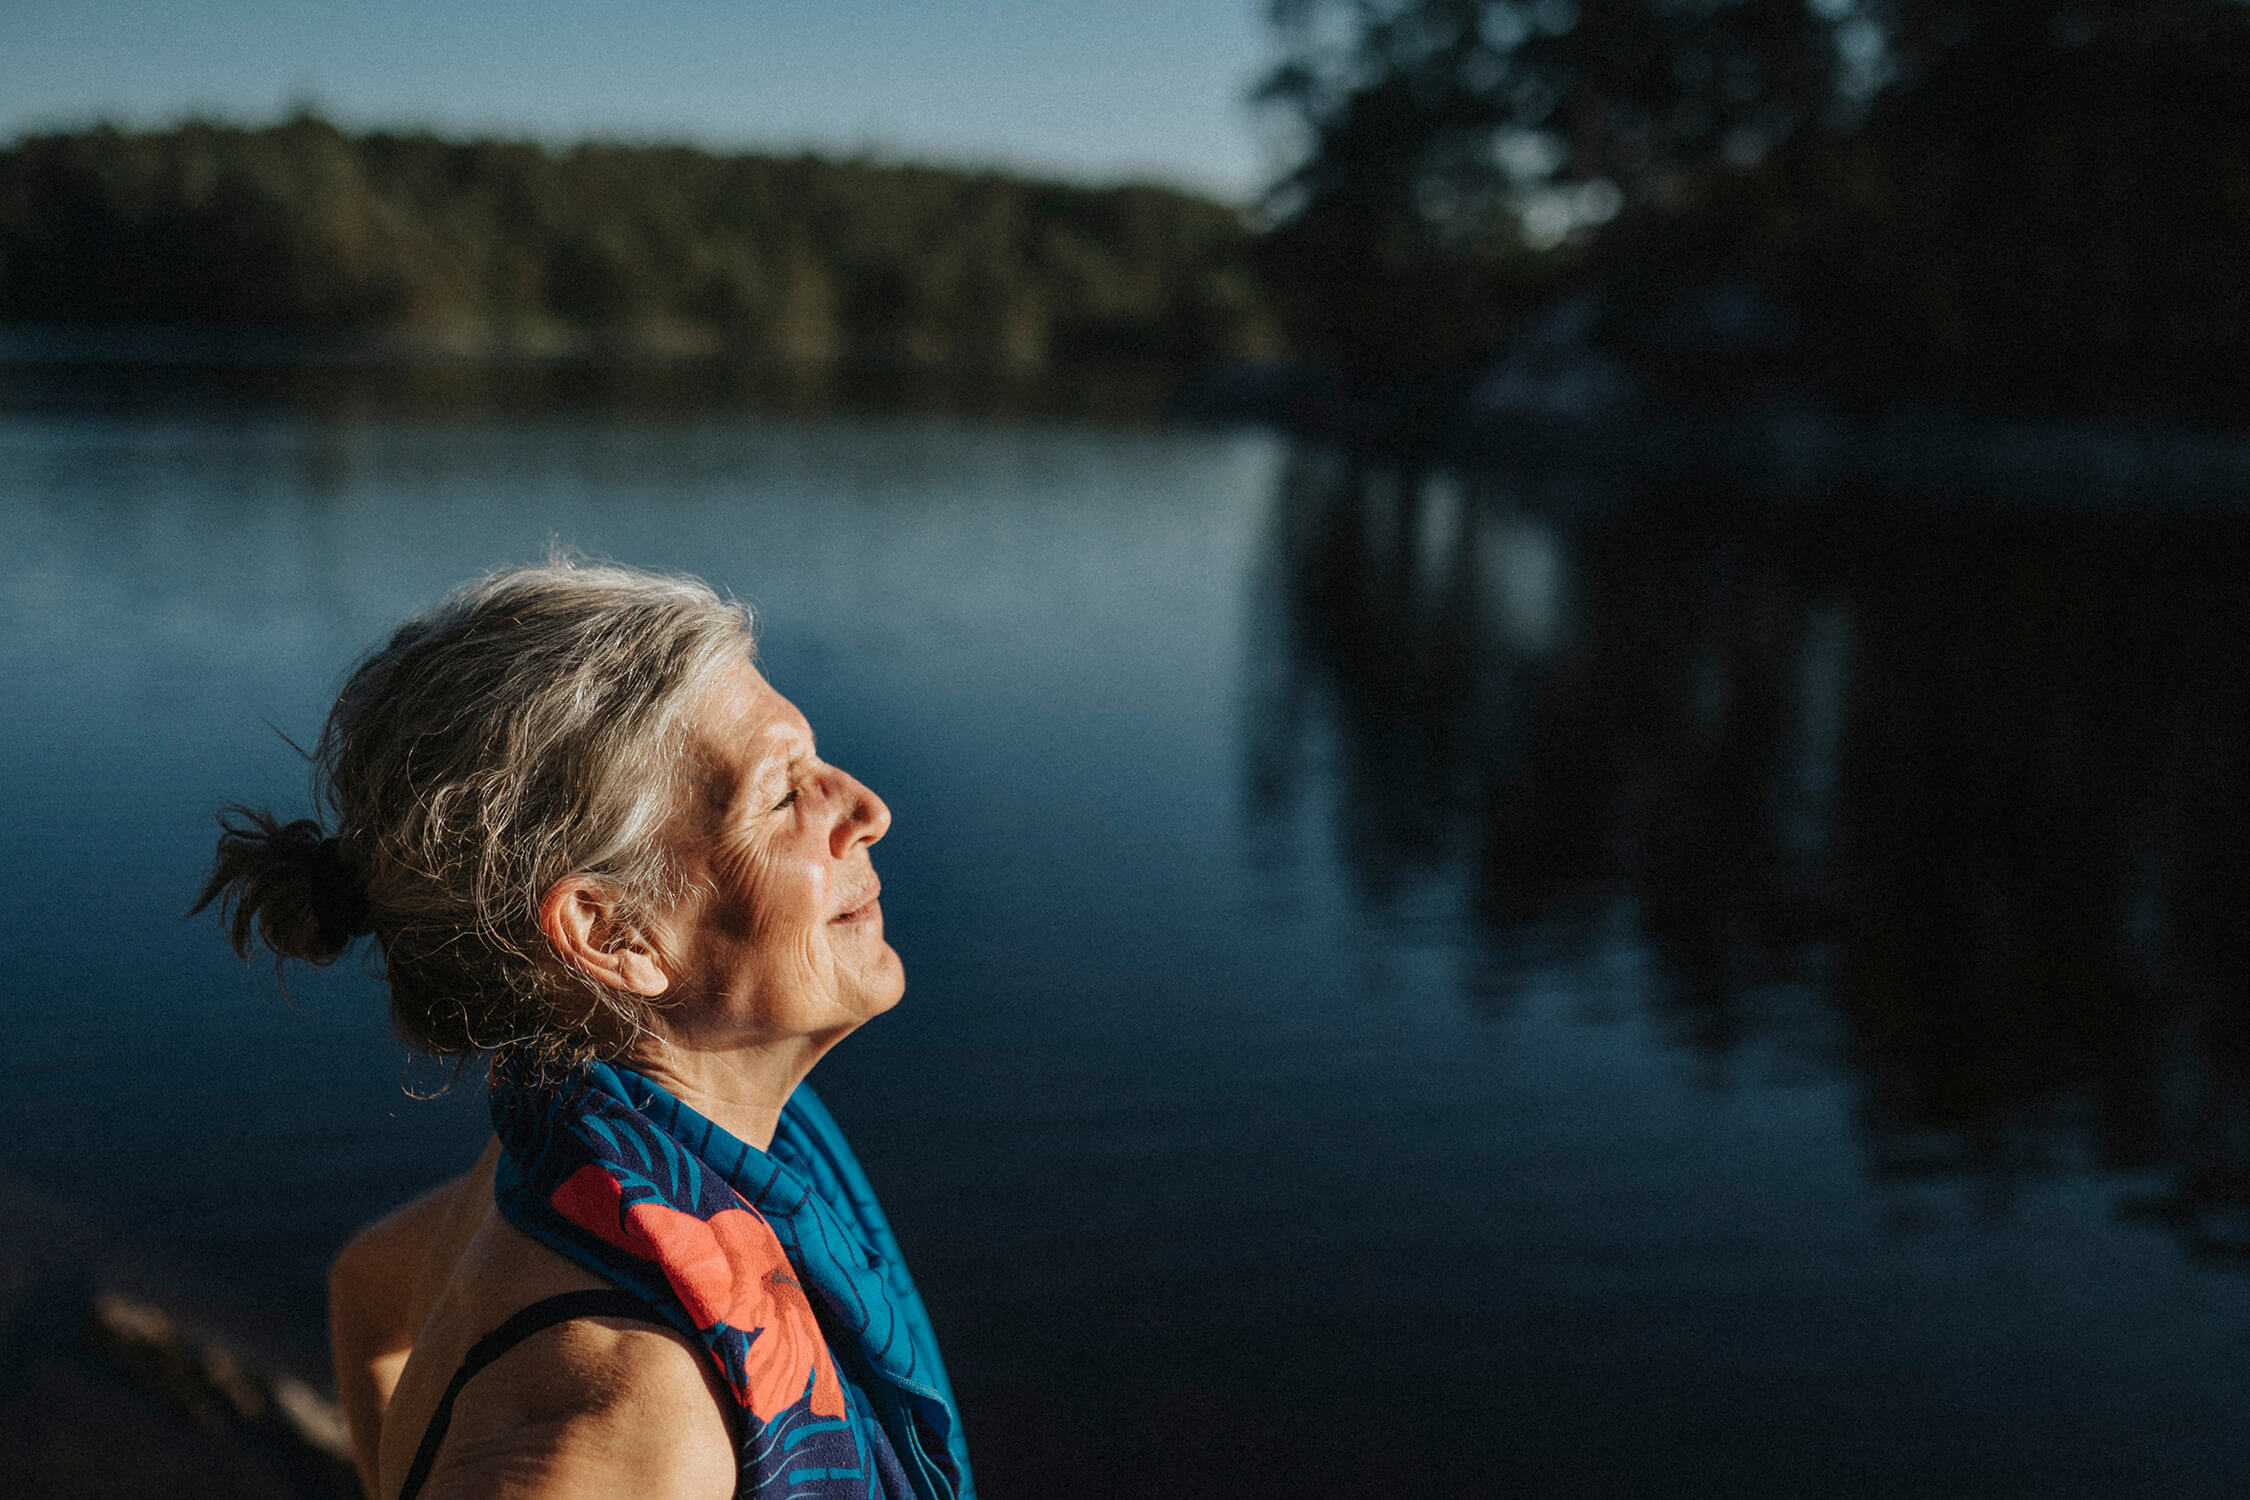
(593, 1406)
(380, 1290)
(402, 1257)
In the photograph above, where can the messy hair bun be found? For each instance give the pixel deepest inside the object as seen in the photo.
(286, 883)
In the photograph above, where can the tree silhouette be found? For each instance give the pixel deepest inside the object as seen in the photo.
(2021, 204)
(1431, 126)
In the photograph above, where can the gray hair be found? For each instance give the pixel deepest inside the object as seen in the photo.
(532, 726)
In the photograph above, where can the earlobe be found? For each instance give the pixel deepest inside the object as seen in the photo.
(579, 916)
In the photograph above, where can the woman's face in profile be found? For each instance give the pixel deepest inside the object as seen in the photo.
(780, 933)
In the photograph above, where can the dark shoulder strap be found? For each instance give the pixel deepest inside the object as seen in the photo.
(600, 1302)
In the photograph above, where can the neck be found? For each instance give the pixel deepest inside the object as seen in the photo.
(741, 1090)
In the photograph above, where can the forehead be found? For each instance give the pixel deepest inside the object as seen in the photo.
(746, 726)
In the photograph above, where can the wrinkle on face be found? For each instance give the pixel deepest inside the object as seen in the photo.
(777, 838)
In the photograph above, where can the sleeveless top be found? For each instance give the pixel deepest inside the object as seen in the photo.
(607, 1302)
(779, 1264)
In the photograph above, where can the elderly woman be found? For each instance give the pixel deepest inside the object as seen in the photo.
(595, 846)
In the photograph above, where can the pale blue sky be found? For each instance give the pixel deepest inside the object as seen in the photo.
(1100, 89)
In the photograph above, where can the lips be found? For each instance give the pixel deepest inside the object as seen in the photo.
(864, 908)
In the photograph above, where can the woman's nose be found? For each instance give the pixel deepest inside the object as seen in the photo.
(863, 817)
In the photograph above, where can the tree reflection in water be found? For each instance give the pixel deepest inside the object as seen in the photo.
(1961, 794)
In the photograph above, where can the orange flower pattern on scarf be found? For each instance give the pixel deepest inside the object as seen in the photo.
(779, 1263)
(727, 1269)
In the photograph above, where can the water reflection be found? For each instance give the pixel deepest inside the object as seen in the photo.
(198, 387)
(1956, 803)
(1180, 1139)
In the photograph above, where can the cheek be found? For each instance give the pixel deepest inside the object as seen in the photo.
(788, 898)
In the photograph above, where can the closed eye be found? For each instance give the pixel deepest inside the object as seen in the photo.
(786, 802)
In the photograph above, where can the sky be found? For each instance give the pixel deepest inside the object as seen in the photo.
(1099, 90)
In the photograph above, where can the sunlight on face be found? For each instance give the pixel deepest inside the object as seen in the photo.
(780, 933)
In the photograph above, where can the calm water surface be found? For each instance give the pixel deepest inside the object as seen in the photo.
(1425, 986)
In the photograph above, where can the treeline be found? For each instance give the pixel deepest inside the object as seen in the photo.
(501, 247)
(2006, 204)
(2049, 211)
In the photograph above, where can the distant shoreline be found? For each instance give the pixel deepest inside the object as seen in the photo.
(218, 243)
(47, 365)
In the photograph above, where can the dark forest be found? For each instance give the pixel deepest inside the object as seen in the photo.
(508, 248)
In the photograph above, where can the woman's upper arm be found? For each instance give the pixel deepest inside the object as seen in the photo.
(588, 1409)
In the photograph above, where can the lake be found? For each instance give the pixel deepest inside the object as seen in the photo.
(1423, 983)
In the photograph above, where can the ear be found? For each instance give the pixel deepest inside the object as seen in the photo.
(579, 916)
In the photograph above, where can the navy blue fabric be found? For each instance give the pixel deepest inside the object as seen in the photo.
(651, 1157)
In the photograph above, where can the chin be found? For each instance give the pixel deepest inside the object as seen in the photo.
(882, 982)
(890, 985)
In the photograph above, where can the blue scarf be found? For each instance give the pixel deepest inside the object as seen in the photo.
(778, 1263)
